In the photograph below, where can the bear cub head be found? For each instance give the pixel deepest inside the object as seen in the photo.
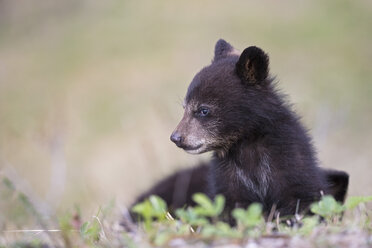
(226, 101)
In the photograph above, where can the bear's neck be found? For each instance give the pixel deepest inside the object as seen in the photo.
(244, 171)
(252, 160)
(246, 153)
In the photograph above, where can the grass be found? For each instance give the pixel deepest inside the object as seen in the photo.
(331, 225)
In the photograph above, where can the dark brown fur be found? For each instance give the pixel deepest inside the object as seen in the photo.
(177, 189)
(262, 153)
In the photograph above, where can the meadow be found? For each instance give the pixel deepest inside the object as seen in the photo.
(90, 92)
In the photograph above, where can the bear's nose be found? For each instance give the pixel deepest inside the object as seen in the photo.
(176, 138)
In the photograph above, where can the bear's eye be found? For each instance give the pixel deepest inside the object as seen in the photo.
(202, 112)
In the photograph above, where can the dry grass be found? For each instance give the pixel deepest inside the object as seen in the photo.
(109, 227)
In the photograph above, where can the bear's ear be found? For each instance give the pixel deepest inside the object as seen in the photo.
(338, 182)
(253, 65)
(223, 49)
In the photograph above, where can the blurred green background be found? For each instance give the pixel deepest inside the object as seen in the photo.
(90, 91)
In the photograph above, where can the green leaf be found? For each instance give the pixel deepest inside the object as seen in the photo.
(354, 201)
(308, 224)
(208, 231)
(84, 228)
(90, 230)
(238, 214)
(183, 230)
(158, 204)
(189, 216)
(205, 205)
(143, 208)
(250, 217)
(220, 229)
(208, 208)
(225, 230)
(152, 207)
(327, 207)
(219, 204)
(159, 207)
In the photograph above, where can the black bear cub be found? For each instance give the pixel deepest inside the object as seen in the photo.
(261, 151)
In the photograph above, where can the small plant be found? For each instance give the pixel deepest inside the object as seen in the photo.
(204, 209)
(327, 207)
(90, 231)
(152, 208)
(205, 223)
(354, 201)
(204, 220)
(250, 220)
(220, 229)
(308, 225)
(190, 217)
(208, 208)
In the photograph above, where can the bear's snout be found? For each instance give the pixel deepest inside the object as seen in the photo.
(176, 138)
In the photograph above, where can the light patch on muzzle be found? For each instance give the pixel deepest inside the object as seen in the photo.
(189, 134)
